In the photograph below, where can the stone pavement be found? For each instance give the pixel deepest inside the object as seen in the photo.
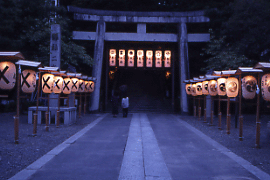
(143, 146)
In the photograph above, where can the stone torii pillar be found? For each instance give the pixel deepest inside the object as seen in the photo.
(98, 59)
(184, 64)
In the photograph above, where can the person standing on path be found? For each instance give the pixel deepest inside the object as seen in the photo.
(125, 105)
(115, 102)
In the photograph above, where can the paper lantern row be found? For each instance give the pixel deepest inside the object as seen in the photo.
(57, 84)
(140, 58)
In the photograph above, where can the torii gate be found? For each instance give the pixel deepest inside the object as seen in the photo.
(141, 19)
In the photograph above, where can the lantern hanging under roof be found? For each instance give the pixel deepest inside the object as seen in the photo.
(131, 54)
(47, 83)
(167, 61)
(149, 58)
(67, 85)
(205, 88)
(232, 87)
(7, 75)
(75, 84)
(122, 56)
(249, 86)
(221, 84)
(193, 90)
(58, 84)
(158, 56)
(91, 86)
(188, 89)
(28, 81)
(140, 57)
(86, 86)
(199, 88)
(212, 87)
(112, 57)
(265, 85)
(81, 87)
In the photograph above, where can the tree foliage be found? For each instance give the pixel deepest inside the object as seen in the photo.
(25, 27)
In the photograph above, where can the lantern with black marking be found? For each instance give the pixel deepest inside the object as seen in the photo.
(75, 84)
(158, 56)
(221, 84)
(265, 84)
(199, 88)
(122, 53)
(193, 89)
(212, 87)
(58, 84)
(47, 83)
(67, 85)
(140, 57)
(249, 86)
(188, 89)
(232, 87)
(131, 54)
(91, 84)
(149, 58)
(167, 61)
(112, 57)
(81, 87)
(7, 75)
(28, 81)
(205, 88)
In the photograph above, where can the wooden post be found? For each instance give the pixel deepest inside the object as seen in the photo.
(16, 118)
(228, 120)
(80, 106)
(212, 112)
(47, 114)
(84, 110)
(194, 106)
(199, 108)
(258, 122)
(240, 110)
(35, 115)
(205, 121)
(58, 113)
(219, 113)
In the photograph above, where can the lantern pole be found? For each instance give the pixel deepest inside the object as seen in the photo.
(212, 111)
(199, 108)
(35, 115)
(219, 114)
(258, 122)
(84, 103)
(194, 106)
(47, 113)
(58, 112)
(16, 118)
(80, 106)
(205, 109)
(240, 110)
(228, 123)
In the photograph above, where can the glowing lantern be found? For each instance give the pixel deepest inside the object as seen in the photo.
(122, 57)
(91, 86)
(81, 86)
(212, 88)
(75, 84)
(112, 57)
(131, 58)
(188, 89)
(7, 75)
(67, 86)
(249, 84)
(193, 90)
(158, 56)
(149, 58)
(167, 62)
(221, 84)
(232, 87)
(199, 88)
(28, 81)
(58, 84)
(140, 57)
(86, 86)
(47, 83)
(266, 87)
(205, 88)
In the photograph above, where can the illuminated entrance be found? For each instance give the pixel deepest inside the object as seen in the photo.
(141, 20)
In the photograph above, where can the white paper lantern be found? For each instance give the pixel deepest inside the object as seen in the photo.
(205, 88)
(249, 84)
(7, 75)
(193, 90)
(81, 87)
(58, 84)
(221, 84)
(265, 85)
(67, 85)
(149, 58)
(232, 87)
(167, 61)
(112, 57)
(91, 86)
(122, 57)
(212, 87)
(75, 84)
(158, 56)
(131, 54)
(199, 88)
(140, 57)
(47, 83)
(28, 81)
(188, 89)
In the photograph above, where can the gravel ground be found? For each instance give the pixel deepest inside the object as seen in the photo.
(259, 157)
(15, 157)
